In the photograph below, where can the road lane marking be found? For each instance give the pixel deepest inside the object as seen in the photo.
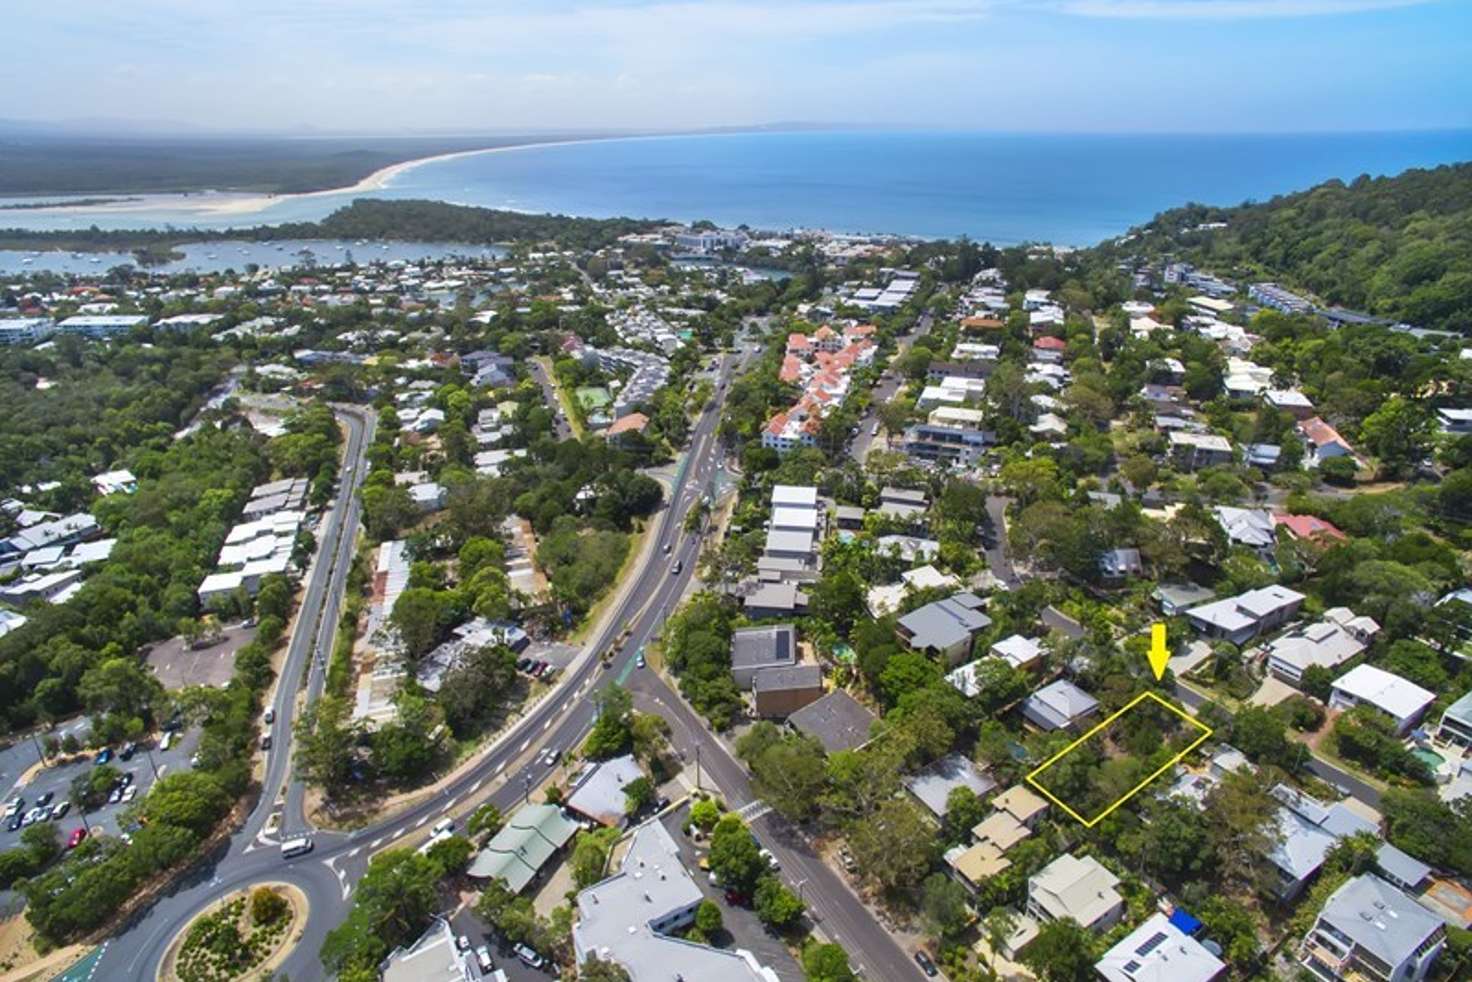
(476, 786)
(524, 744)
(377, 842)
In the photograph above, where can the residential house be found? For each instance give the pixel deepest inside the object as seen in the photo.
(1309, 528)
(1454, 422)
(945, 627)
(1080, 889)
(1019, 652)
(1159, 951)
(837, 721)
(1252, 528)
(1403, 701)
(775, 598)
(598, 792)
(933, 785)
(1060, 705)
(1289, 401)
(756, 648)
(1324, 441)
(943, 443)
(1175, 598)
(1193, 451)
(1331, 642)
(1455, 727)
(1118, 565)
(903, 503)
(887, 598)
(910, 548)
(780, 692)
(1241, 618)
(1368, 929)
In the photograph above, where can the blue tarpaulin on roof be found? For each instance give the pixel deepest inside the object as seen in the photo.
(1187, 924)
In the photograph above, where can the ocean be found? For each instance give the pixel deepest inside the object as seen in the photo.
(1003, 188)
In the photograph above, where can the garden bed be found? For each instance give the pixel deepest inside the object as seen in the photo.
(244, 935)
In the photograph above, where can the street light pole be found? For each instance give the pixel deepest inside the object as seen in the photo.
(526, 789)
(697, 763)
(151, 762)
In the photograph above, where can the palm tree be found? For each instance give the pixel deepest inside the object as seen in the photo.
(998, 924)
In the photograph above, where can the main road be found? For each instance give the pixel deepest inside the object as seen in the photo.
(502, 775)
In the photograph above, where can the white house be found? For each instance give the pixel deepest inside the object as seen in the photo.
(1403, 701)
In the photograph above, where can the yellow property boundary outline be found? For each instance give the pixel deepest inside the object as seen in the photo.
(1206, 732)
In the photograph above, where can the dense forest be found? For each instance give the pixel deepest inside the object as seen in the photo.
(1399, 247)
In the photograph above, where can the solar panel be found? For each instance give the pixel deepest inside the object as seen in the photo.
(1131, 967)
(1154, 941)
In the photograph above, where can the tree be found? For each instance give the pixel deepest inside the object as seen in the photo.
(790, 775)
(964, 811)
(1399, 434)
(120, 685)
(395, 900)
(734, 855)
(387, 508)
(486, 819)
(590, 856)
(267, 906)
(1241, 830)
(943, 903)
(484, 680)
(1260, 734)
(595, 969)
(1062, 952)
(708, 919)
(1231, 925)
(610, 735)
(421, 617)
(826, 963)
(323, 746)
(998, 927)
(638, 794)
(778, 907)
(894, 846)
(704, 814)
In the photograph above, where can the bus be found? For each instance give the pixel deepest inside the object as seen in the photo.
(295, 847)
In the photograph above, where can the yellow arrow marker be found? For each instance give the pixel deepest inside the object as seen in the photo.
(1159, 653)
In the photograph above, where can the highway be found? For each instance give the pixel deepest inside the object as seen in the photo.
(504, 773)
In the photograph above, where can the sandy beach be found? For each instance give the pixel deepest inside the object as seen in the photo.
(227, 203)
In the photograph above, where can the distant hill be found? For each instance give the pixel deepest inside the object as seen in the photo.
(1399, 247)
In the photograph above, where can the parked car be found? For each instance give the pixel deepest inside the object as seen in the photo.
(115, 797)
(126, 779)
(926, 965)
(640, 660)
(16, 822)
(266, 742)
(270, 715)
(45, 798)
(75, 839)
(60, 811)
(130, 792)
(462, 943)
(522, 664)
(529, 956)
(34, 815)
(129, 749)
(483, 956)
(13, 806)
(103, 756)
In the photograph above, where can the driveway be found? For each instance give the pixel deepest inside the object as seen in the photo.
(741, 923)
(465, 922)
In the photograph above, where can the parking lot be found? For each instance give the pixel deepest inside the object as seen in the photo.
(465, 922)
(57, 781)
(178, 665)
(741, 923)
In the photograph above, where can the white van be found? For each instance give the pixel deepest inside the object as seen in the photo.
(296, 847)
(167, 741)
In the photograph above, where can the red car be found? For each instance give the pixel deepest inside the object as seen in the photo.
(78, 834)
(735, 899)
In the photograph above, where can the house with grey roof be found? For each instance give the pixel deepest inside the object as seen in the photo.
(1060, 705)
(1455, 727)
(1369, 929)
(1158, 951)
(779, 692)
(781, 598)
(1241, 618)
(945, 627)
(527, 843)
(1175, 598)
(933, 785)
(630, 918)
(1338, 637)
(598, 793)
(838, 721)
(757, 648)
(1402, 700)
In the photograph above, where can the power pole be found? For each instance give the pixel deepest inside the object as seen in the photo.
(697, 765)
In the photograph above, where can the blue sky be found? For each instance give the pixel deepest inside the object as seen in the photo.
(368, 66)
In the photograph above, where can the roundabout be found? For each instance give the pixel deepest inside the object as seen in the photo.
(246, 934)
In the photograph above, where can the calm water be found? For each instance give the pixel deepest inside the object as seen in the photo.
(216, 257)
(1072, 190)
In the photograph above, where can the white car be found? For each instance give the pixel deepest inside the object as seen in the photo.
(130, 792)
(462, 943)
(60, 811)
(115, 797)
(443, 827)
(549, 756)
